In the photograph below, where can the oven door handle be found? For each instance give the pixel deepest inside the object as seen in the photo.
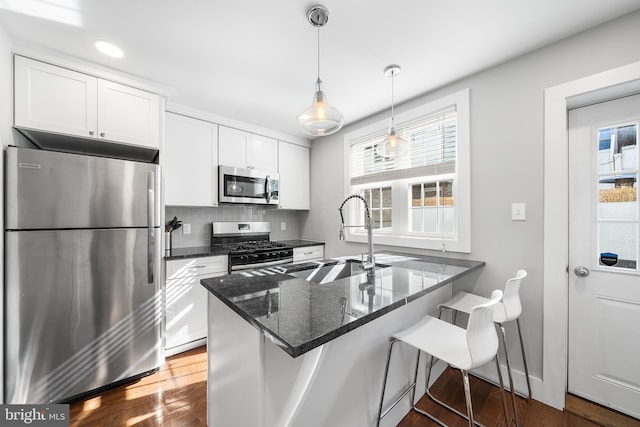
(262, 264)
(267, 188)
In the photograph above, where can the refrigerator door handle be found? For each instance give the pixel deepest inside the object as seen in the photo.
(150, 229)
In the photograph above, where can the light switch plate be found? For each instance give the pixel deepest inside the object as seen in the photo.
(186, 228)
(283, 226)
(518, 211)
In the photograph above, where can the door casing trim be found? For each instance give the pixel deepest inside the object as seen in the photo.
(557, 100)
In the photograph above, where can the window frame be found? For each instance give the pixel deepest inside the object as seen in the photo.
(400, 235)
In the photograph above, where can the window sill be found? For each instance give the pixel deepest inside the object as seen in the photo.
(417, 242)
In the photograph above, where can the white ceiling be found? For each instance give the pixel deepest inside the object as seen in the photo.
(255, 61)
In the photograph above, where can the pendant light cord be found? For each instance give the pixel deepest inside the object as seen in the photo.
(318, 55)
(393, 125)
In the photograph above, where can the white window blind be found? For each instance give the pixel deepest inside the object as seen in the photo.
(432, 151)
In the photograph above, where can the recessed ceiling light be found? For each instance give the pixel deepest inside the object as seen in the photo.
(108, 49)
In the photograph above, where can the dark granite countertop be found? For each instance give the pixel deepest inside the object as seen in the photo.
(195, 252)
(302, 306)
(213, 250)
(301, 243)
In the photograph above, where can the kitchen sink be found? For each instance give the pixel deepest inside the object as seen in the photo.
(332, 272)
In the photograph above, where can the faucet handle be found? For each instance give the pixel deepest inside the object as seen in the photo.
(369, 263)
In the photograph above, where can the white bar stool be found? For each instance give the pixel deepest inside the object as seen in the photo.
(460, 348)
(507, 310)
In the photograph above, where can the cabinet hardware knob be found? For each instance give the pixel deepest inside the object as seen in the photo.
(91, 132)
(102, 134)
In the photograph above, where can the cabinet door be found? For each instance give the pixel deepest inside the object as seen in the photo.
(263, 154)
(233, 145)
(190, 162)
(128, 115)
(186, 298)
(54, 99)
(294, 176)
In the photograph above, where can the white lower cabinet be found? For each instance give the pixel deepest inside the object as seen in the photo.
(308, 253)
(186, 301)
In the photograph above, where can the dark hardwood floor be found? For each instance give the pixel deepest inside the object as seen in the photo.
(176, 396)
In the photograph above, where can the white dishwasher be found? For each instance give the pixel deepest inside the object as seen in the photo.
(186, 301)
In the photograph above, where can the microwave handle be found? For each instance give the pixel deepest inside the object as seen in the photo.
(267, 188)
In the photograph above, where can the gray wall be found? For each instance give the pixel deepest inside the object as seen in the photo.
(201, 219)
(506, 164)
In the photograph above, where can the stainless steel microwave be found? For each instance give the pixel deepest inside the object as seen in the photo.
(239, 185)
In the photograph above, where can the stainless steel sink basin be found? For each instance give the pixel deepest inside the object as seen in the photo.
(330, 273)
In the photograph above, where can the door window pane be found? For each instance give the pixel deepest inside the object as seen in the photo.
(617, 148)
(618, 240)
(618, 198)
(617, 223)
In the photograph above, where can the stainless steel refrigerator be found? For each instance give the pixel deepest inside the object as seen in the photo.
(83, 294)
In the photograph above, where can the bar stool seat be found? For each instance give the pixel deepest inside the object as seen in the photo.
(461, 348)
(507, 310)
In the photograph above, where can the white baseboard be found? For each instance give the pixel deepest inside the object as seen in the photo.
(488, 373)
(184, 347)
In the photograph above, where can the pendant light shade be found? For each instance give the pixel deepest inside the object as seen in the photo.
(392, 145)
(320, 118)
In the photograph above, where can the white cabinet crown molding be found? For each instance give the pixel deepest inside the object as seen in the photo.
(92, 69)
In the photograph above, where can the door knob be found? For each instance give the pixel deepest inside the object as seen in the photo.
(581, 271)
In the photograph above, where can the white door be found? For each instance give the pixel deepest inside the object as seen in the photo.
(604, 275)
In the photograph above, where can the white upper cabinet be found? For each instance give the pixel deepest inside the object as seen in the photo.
(233, 148)
(56, 99)
(294, 170)
(128, 115)
(264, 153)
(242, 149)
(190, 162)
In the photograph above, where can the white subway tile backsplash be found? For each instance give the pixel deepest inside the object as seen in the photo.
(201, 218)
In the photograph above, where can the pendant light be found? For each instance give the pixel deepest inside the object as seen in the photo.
(321, 118)
(392, 145)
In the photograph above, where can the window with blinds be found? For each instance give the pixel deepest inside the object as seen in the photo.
(419, 198)
(432, 151)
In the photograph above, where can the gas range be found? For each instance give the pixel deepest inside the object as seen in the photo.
(249, 245)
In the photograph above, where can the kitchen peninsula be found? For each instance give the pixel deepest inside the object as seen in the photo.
(305, 344)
